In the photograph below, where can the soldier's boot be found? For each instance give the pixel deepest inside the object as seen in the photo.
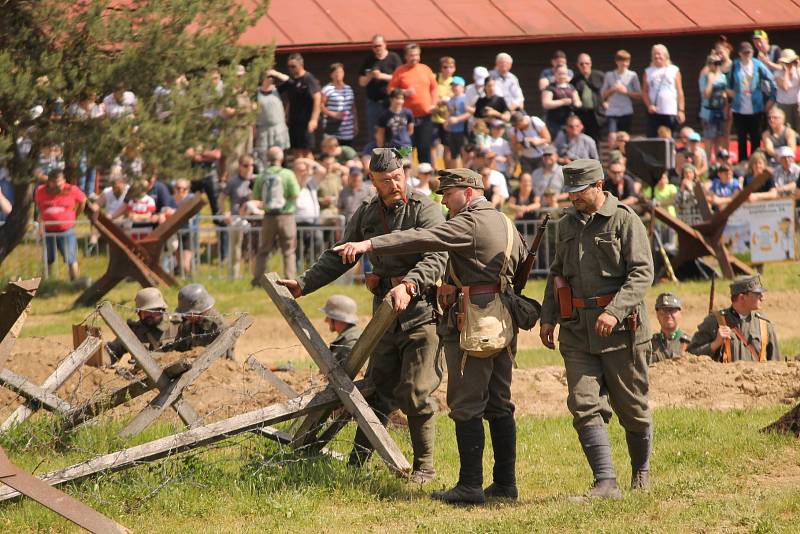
(362, 448)
(469, 489)
(640, 444)
(597, 448)
(422, 430)
(504, 442)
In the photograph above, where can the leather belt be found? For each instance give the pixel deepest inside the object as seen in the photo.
(593, 302)
(484, 289)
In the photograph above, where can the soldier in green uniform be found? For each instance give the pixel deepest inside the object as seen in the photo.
(341, 317)
(201, 323)
(600, 275)
(404, 365)
(670, 341)
(739, 332)
(485, 251)
(155, 326)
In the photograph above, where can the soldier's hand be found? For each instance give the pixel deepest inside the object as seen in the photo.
(293, 286)
(605, 324)
(724, 332)
(350, 251)
(400, 297)
(546, 331)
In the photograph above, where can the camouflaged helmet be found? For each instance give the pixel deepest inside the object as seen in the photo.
(341, 308)
(150, 299)
(194, 299)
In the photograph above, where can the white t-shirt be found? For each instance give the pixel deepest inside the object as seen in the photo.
(501, 147)
(663, 89)
(306, 205)
(498, 181)
(116, 109)
(112, 203)
(472, 94)
(789, 97)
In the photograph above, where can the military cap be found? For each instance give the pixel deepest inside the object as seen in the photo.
(747, 284)
(459, 178)
(582, 173)
(668, 300)
(342, 308)
(385, 160)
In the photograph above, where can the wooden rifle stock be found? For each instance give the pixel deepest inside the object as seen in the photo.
(524, 269)
(711, 294)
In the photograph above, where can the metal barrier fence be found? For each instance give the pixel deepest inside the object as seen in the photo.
(210, 244)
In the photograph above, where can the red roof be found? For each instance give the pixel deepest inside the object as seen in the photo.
(349, 24)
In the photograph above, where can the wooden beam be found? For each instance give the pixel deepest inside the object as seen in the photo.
(196, 437)
(14, 307)
(353, 401)
(172, 393)
(144, 360)
(381, 320)
(284, 438)
(32, 392)
(68, 507)
(65, 369)
(271, 377)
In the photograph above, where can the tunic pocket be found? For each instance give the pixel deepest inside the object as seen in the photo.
(610, 247)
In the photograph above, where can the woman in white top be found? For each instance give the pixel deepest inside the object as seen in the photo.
(662, 92)
(788, 82)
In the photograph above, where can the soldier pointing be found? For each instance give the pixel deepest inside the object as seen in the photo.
(595, 292)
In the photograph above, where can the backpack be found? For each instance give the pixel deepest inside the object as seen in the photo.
(272, 193)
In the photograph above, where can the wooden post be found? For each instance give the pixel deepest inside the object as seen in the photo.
(63, 372)
(32, 392)
(172, 393)
(364, 347)
(196, 437)
(81, 332)
(352, 399)
(14, 306)
(272, 378)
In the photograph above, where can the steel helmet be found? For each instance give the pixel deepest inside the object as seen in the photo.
(341, 308)
(150, 299)
(194, 299)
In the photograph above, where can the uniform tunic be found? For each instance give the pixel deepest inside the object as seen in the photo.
(342, 346)
(604, 253)
(476, 241)
(152, 337)
(664, 348)
(751, 331)
(403, 366)
(201, 333)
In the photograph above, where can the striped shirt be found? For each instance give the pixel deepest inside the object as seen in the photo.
(339, 100)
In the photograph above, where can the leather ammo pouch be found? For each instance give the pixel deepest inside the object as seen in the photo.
(485, 330)
(563, 295)
(373, 283)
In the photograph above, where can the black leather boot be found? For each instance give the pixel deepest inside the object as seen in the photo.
(469, 490)
(504, 442)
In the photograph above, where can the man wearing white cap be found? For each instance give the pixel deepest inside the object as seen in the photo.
(475, 90)
(786, 173)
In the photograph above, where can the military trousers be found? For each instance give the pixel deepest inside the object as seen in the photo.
(483, 388)
(406, 371)
(614, 380)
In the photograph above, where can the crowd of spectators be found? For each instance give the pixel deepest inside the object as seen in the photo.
(297, 164)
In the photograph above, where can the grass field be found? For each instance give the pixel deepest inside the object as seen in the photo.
(712, 472)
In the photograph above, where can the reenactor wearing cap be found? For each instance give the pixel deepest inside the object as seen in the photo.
(341, 317)
(485, 251)
(155, 326)
(670, 341)
(403, 367)
(739, 332)
(595, 291)
(201, 323)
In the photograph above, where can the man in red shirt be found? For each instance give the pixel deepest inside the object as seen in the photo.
(419, 86)
(59, 204)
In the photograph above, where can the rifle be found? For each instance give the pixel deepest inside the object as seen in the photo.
(524, 269)
(711, 295)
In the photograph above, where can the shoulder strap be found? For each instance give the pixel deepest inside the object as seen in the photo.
(453, 275)
(762, 353)
(726, 343)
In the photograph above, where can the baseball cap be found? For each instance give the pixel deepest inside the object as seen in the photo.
(723, 153)
(497, 123)
(745, 46)
(356, 171)
(785, 152)
(425, 168)
(479, 74)
(694, 136)
(549, 149)
(458, 80)
(760, 34)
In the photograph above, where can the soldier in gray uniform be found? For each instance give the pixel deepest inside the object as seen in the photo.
(201, 323)
(341, 317)
(670, 341)
(600, 275)
(155, 326)
(404, 365)
(485, 251)
(739, 332)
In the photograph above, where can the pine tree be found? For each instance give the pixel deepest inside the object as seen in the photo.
(55, 52)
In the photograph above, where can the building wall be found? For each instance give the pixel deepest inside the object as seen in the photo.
(687, 51)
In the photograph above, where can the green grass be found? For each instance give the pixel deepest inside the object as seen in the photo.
(712, 472)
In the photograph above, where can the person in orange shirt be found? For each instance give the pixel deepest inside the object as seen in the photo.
(421, 91)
